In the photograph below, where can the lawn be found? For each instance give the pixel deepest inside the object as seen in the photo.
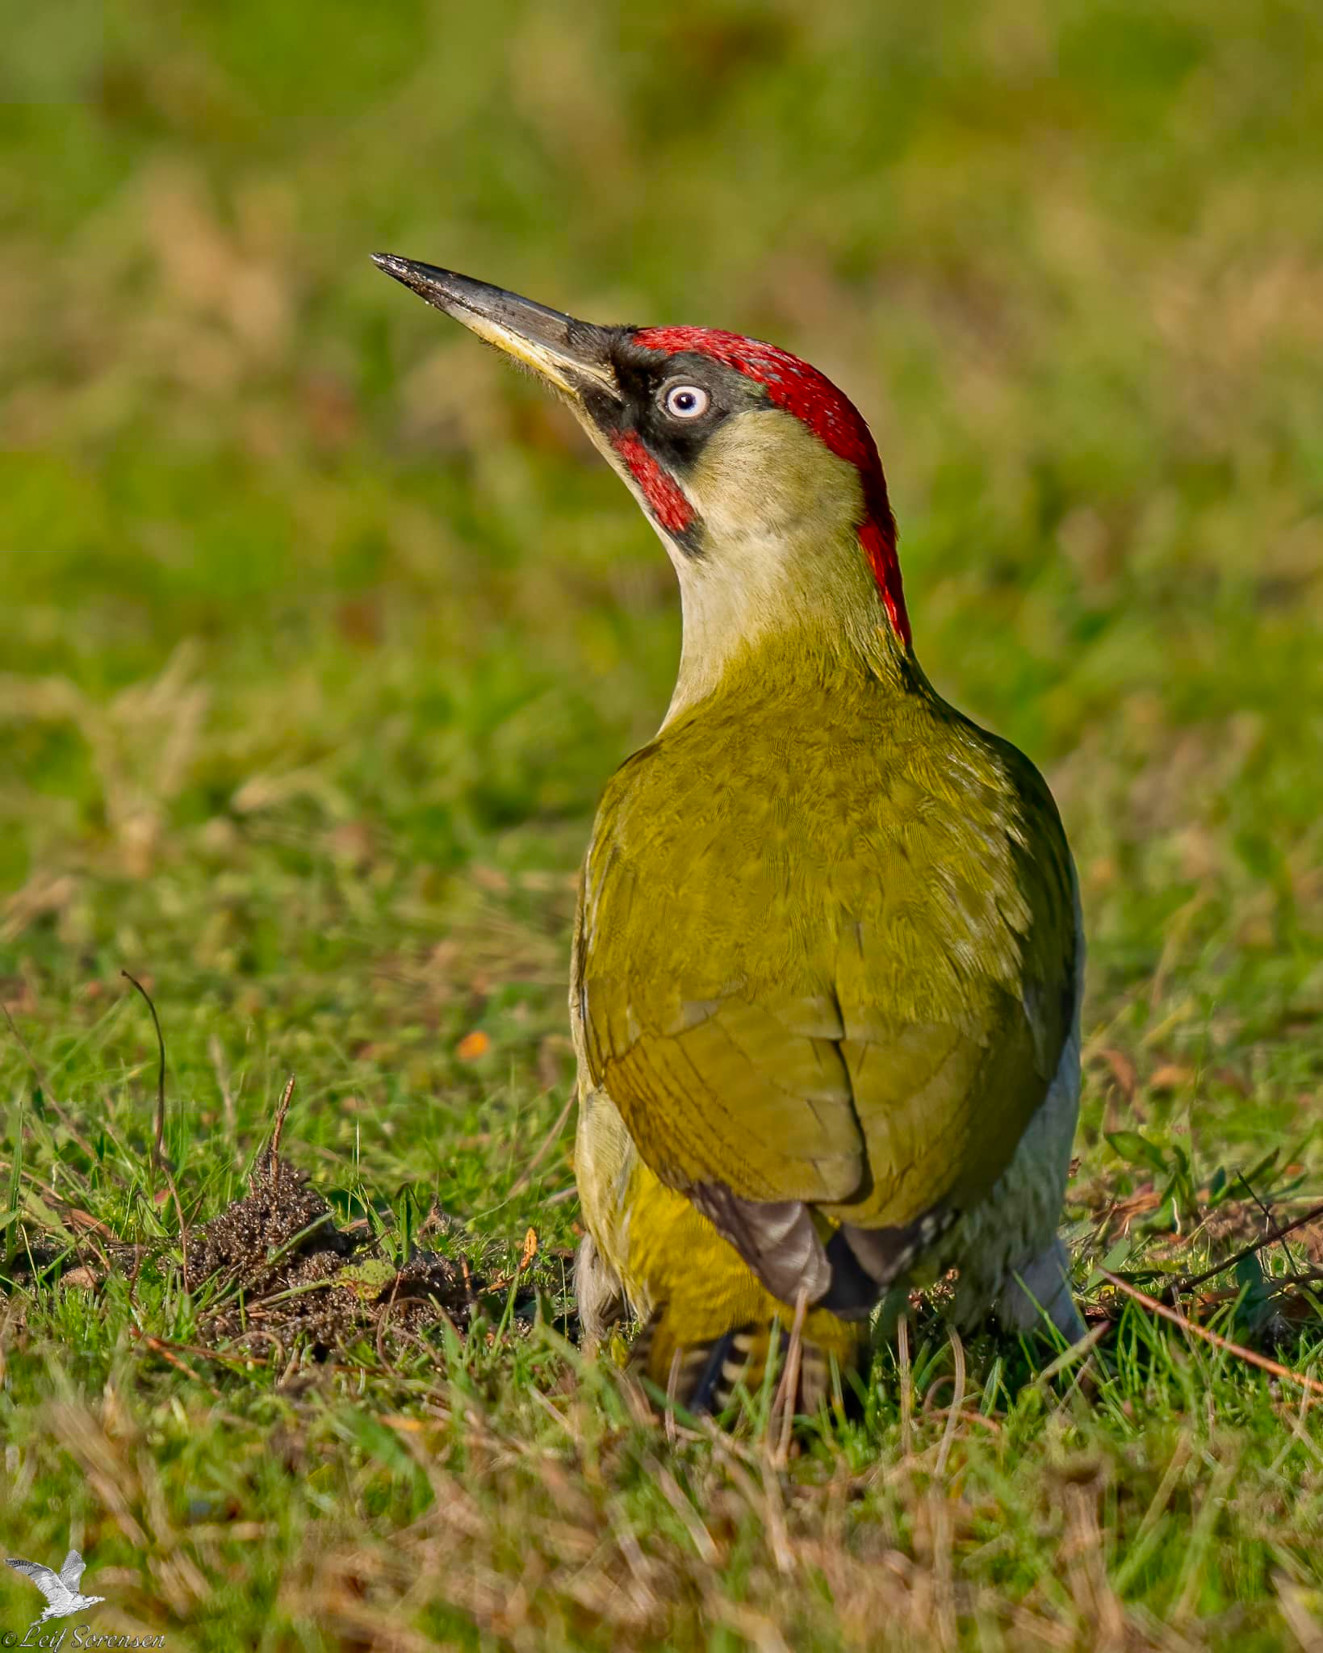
(320, 633)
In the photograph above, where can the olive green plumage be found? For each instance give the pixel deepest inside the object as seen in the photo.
(827, 947)
(827, 965)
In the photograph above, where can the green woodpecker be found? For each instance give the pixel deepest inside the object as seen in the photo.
(827, 965)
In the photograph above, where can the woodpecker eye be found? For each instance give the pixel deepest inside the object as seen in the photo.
(686, 401)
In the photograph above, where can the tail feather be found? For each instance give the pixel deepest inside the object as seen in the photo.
(714, 1387)
(704, 1375)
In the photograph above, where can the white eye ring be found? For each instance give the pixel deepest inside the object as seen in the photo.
(687, 401)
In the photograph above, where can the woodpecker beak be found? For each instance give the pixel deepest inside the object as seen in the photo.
(572, 356)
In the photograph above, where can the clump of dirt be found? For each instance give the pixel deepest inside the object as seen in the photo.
(282, 1213)
(287, 1274)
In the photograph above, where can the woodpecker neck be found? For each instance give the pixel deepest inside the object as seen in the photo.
(787, 566)
(728, 637)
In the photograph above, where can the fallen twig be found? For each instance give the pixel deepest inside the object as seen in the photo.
(158, 1347)
(1215, 1338)
(1268, 1239)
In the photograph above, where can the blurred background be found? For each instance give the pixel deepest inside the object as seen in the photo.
(320, 630)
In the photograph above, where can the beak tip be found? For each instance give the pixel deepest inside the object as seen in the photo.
(550, 343)
(437, 287)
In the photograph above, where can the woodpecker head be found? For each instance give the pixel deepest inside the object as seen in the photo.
(760, 476)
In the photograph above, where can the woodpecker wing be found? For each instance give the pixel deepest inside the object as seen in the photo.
(827, 963)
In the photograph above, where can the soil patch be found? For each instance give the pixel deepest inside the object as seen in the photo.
(287, 1274)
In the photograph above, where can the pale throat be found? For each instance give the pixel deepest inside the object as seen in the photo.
(781, 569)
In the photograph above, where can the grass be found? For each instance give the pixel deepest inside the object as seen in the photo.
(321, 633)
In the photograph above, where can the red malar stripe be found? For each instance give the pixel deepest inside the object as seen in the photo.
(666, 499)
(830, 415)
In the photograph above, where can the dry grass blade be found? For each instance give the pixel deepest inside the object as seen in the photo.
(526, 1175)
(158, 1133)
(1219, 1342)
(672, 1391)
(957, 1402)
(1074, 1355)
(282, 1112)
(159, 1159)
(764, 1501)
(1307, 1630)
(784, 1405)
(906, 1386)
(699, 1535)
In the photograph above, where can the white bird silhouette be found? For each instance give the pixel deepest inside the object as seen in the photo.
(60, 1589)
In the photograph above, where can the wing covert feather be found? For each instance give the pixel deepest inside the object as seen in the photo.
(841, 974)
